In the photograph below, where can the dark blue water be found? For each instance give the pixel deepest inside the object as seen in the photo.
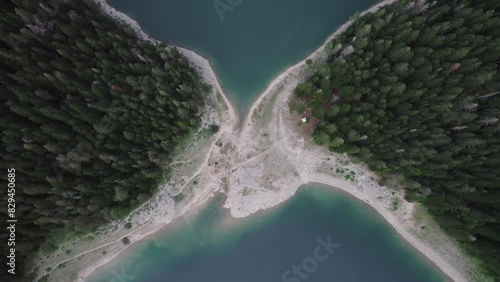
(360, 246)
(253, 42)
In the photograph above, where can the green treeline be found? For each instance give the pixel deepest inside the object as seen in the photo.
(90, 115)
(414, 90)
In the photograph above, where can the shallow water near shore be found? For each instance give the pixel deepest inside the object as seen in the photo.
(248, 44)
(328, 234)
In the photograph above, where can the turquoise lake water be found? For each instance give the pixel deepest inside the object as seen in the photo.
(248, 47)
(360, 246)
(252, 43)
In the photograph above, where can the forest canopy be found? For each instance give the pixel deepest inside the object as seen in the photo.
(90, 115)
(414, 90)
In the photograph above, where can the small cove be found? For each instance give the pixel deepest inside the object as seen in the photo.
(253, 43)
